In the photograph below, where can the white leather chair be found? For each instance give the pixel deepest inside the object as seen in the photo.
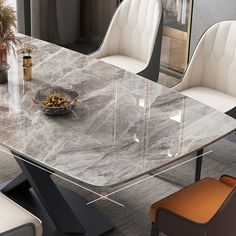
(16, 221)
(133, 39)
(211, 74)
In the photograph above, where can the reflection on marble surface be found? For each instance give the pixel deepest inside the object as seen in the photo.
(124, 127)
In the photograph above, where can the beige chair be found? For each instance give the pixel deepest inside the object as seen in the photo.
(16, 221)
(211, 74)
(133, 39)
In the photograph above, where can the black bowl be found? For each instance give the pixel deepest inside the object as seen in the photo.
(42, 94)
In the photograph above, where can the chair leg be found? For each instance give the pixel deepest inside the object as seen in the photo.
(154, 231)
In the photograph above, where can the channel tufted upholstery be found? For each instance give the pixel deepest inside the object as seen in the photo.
(211, 74)
(132, 34)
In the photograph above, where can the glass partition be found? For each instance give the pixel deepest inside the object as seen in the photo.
(175, 44)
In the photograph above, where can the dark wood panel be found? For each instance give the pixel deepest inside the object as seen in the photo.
(95, 18)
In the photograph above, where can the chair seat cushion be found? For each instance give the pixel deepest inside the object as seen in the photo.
(126, 63)
(13, 217)
(198, 202)
(213, 98)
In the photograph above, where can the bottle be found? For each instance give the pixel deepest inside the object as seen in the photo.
(27, 68)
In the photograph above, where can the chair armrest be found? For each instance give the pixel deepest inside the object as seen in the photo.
(174, 224)
(228, 180)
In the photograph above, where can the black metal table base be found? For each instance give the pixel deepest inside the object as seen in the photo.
(62, 211)
(93, 222)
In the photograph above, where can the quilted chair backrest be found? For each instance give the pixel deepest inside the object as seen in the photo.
(133, 29)
(213, 64)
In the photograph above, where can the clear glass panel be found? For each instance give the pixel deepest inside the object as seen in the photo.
(177, 14)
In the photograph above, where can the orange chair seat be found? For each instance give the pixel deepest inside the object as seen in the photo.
(198, 202)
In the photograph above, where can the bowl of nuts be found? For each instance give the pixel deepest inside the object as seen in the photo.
(56, 100)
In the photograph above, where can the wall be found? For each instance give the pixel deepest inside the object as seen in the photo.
(95, 19)
(23, 13)
(207, 13)
(65, 21)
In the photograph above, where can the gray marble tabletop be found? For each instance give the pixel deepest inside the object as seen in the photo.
(124, 126)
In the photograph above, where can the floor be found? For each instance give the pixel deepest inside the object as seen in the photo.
(132, 219)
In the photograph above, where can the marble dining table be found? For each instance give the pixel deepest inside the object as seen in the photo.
(124, 126)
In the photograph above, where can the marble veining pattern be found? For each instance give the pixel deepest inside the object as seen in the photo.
(123, 127)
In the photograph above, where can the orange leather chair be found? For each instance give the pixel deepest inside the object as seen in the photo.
(206, 208)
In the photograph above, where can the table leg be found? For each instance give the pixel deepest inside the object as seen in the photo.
(198, 165)
(17, 184)
(51, 198)
(70, 215)
(232, 113)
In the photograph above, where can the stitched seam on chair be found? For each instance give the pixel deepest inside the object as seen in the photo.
(225, 41)
(200, 46)
(232, 62)
(112, 31)
(204, 58)
(227, 74)
(213, 43)
(136, 26)
(145, 25)
(144, 29)
(218, 60)
(211, 54)
(156, 28)
(154, 32)
(133, 28)
(121, 32)
(106, 45)
(227, 37)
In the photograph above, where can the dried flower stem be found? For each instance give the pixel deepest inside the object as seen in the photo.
(7, 26)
